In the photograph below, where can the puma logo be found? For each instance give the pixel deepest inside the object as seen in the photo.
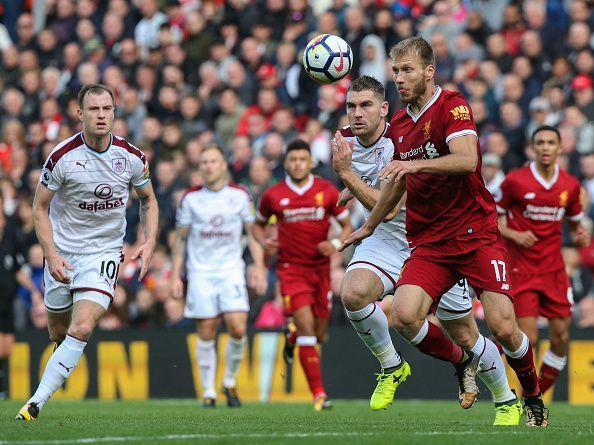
(84, 166)
(490, 369)
(68, 369)
(368, 332)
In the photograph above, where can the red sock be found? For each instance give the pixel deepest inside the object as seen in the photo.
(438, 345)
(310, 361)
(548, 376)
(524, 369)
(292, 337)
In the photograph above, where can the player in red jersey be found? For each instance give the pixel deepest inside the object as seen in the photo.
(303, 206)
(532, 202)
(451, 219)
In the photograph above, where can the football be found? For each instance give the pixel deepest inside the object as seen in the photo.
(327, 58)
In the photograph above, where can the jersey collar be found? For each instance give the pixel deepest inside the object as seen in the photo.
(299, 190)
(416, 117)
(82, 135)
(542, 181)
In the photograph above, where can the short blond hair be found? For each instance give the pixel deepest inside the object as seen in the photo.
(417, 46)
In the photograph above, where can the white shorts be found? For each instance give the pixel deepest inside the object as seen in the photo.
(211, 294)
(94, 274)
(386, 262)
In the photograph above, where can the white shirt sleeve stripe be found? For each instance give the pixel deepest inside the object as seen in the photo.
(577, 217)
(457, 134)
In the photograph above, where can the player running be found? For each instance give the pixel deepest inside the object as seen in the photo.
(451, 218)
(303, 205)
(359, 153)
(532, 202)
(86, 179)
(210, 222)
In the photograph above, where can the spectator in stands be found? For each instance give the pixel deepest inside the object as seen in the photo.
(146, 32)
(25, 32)
(231, 110)
(582, 88)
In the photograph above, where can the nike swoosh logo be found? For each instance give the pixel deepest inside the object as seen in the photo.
(340, 65)
(65, 367)
(368, 332)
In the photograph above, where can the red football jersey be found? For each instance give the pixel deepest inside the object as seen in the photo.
(440, 207)
(303, 218)
(533, 203)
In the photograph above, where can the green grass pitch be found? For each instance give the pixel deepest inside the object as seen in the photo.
(349, 422)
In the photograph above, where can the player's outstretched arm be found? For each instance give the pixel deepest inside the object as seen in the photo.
(149, 219)
(43, 229)
(462, 160)
(178, 254)
(257, 272)
(391, 193)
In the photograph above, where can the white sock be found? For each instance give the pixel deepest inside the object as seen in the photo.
(521, 351)
(554, 361)
(421, 334)
(58, 368)
(206, 356)
(233, 358)
(491, 370)
(372, 327)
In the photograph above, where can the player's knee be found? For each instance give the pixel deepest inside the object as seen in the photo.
(559, 338)
(81, 331)
(237, 332)
(463, 338)
(353, 298)
(403, 320)
(504, 331)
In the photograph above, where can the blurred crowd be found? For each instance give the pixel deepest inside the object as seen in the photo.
(189, 72)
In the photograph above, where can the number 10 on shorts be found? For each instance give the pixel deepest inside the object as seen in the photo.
(108, 268)
(499, 273)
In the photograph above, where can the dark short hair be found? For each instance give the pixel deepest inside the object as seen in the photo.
(368, 83)
(297, 144)
(417, 46)
(546, 128)
(93, 88)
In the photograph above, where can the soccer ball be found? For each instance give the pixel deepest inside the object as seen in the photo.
(327, 58)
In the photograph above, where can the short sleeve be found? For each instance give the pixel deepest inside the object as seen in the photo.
(458, 118)
(52, 175)
(184, 213)
(573, 210)
(504, 196)
(265, 210)
(386, 156)
(140, 170)
(248, 211)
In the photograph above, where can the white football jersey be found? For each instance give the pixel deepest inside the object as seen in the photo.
(88, 210)
(367, 163)
(216, 220)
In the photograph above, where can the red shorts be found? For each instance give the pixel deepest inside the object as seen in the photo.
(305, 286)
(549, 295)
(437, 267)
